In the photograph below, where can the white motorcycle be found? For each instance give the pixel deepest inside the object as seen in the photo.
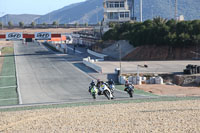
(106, 91)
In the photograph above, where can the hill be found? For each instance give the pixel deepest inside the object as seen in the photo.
(165, 9)
(15, 19)
(91, 11)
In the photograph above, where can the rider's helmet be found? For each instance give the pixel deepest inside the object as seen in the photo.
(92, 83)
(110, 82)
(127, 82)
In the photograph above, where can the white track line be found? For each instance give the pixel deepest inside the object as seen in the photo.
(7, 87)
(8, 99)
(18, 86)
(7, 76)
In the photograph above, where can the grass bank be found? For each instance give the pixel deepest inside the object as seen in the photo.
(8, 82)
(68, 105)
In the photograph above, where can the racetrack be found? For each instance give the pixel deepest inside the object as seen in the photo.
(45, 77)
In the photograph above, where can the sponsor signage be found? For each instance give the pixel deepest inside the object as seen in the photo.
(14, 36)
(43, 35)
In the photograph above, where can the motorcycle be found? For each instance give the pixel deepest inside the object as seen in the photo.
(106, 91)
(93, 91)
(130, 90)
(111, 87)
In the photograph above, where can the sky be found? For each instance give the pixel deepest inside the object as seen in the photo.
(39, 7)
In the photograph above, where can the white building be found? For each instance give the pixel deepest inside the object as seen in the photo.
(118, 10)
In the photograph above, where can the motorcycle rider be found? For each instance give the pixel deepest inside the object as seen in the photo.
(127, 85)
(98, 85)
(111, 82)
(91, 85)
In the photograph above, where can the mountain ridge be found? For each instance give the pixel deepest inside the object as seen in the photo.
(91, 11)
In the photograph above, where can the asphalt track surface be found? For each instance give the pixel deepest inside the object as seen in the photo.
(46, 77)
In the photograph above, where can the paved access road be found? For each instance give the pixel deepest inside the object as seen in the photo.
(45, 77)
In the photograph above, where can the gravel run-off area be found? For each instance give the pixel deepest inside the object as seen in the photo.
(162, 117)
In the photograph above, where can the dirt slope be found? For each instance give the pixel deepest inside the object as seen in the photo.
(162, 53)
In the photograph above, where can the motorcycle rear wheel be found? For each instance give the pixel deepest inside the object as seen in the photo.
(107, 94)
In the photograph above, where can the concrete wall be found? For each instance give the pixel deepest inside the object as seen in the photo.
(96, 54)
(121, 46)
(89, 63)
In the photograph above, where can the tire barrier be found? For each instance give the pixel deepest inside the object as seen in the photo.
(192, 69)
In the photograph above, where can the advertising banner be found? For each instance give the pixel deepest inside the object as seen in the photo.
(43, 35)
(14, 36)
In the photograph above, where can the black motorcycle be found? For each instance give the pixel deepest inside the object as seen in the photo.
(130, 90)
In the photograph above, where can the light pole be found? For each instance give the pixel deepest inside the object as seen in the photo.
(120, 64)
(97, 14)
(120, 56)
(141, 11)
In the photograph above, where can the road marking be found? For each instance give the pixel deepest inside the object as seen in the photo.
(8, 99)
(7, 87)
(7, 76)
(55, 67)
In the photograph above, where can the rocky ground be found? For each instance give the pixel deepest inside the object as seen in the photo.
(176, 116)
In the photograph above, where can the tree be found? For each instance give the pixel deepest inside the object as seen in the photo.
(86, 24)
(159, 21)
(44, 24)
(10, 24)
(33, 24)
(76, 24)
(1, 24)
(21, 24)
(99, 23)
(55, 23)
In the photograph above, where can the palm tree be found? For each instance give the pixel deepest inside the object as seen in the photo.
(10, 24)
(159, 21)
(44, 24)
(76, 24)
(33, 24)
(55, 23)
(21, 24)
(86, 24)
(65, 25)
(1, 24)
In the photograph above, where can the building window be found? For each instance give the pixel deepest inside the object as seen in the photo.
(112, 4)
(115, 4)
(127, 15)
(113, 15)
(122, 15)
(122, 4)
